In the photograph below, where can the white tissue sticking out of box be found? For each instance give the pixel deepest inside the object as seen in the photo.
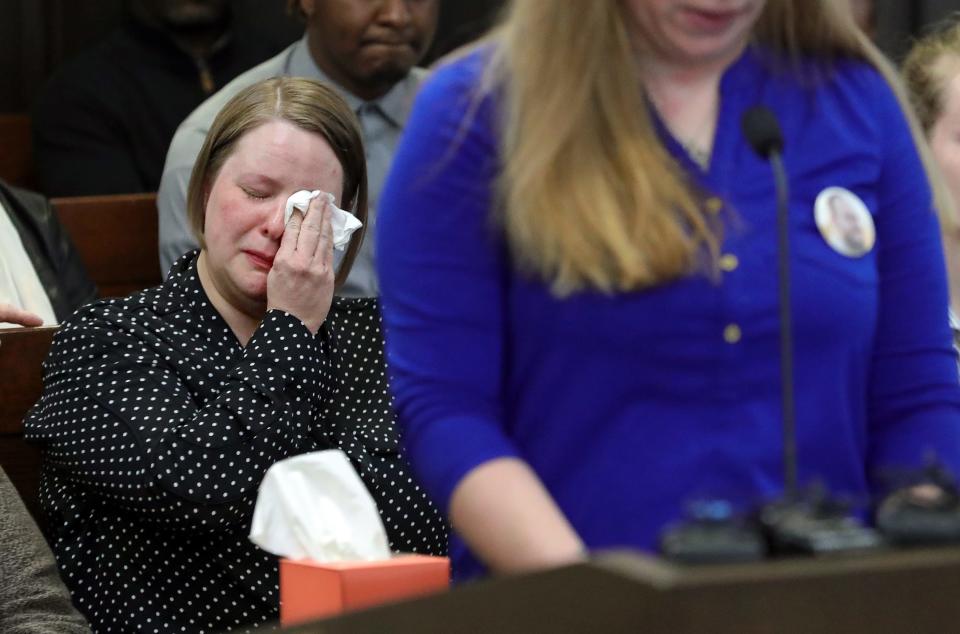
(344, 223)
(314, 506)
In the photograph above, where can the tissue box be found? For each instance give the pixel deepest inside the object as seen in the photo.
(310, 590)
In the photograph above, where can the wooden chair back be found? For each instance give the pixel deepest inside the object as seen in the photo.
(16, 150)
(117, 239)
(22, 351)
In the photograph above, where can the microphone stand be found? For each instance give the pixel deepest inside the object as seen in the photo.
(795, 524)
(810, 524)
(786, 326)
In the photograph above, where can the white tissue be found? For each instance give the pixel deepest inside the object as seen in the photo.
(344, 223)
(315, 506)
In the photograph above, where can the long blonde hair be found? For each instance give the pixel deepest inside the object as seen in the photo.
(589, 197)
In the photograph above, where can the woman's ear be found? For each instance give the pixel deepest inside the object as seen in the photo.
(308, 7)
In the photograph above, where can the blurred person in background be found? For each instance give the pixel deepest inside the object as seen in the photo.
(42, 280)
(104, 120)
(932, 74)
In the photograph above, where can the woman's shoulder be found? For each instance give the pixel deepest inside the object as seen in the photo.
(849, 78)
(806, 73)
(456, 83)
(134, 321)
(861, 77)
(860, 94)
(117, 312)
(142, 308)
(462, 68)
(455, 108)
(843, 97)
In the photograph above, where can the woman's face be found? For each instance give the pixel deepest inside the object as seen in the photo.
(694, 32)
(244, 212)
(945, 136)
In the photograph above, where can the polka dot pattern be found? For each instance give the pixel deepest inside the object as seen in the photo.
(158, 427)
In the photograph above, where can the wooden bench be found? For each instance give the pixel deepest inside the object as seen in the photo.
(16, 150)
(22, 351)
(117, 239)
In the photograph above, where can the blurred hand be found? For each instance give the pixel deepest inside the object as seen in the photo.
(926, 494)
(302, 277)
(14, 315)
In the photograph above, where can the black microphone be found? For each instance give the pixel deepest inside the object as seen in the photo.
(815, 524)
(762, 131)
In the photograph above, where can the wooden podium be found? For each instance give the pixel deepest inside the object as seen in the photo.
(910, 591)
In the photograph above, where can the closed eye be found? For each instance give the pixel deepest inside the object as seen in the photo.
(253, 193)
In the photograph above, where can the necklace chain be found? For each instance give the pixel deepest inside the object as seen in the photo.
(699, 155)
(699, 152)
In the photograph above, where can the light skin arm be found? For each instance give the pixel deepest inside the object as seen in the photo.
(14, 315)
(507, 517)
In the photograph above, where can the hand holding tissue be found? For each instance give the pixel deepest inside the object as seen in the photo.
(315, 511)
(343, 222)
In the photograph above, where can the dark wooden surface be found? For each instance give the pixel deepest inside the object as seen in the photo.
(22, 351)
(117, 239)
(16, 151)
(905, 591)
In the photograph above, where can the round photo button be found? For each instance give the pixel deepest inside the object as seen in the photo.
(845, 222)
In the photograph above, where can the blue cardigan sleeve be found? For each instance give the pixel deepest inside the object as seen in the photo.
(914, 400)
(442, 270)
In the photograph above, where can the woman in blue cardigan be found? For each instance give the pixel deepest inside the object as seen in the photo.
(577, 250)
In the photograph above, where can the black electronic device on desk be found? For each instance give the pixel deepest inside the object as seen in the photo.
(814, 524)
(926, 511)
(713, 534)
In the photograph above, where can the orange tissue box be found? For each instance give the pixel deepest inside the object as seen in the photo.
(311, 590)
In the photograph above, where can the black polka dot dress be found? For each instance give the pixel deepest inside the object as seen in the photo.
(157, 428)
